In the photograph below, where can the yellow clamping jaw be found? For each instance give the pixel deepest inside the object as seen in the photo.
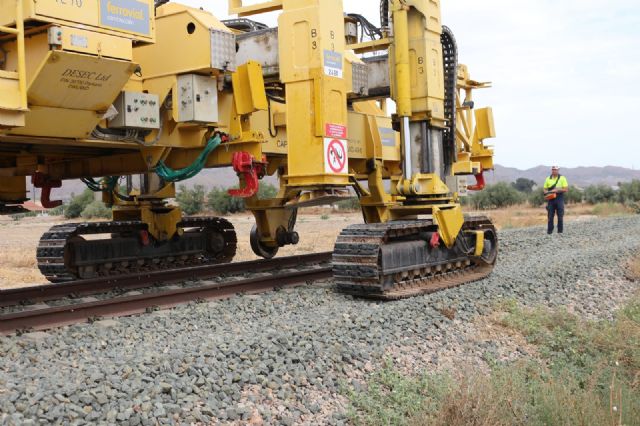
(449, 221)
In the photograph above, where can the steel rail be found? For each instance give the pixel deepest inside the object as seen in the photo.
(10, 297)
(52, 317)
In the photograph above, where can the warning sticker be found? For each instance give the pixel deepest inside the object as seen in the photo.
(335, 157)
(333, 63)
(337, 131)
(387, 136)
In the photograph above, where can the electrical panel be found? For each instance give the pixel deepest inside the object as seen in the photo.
(136, 110)
(458, 184)
(197, 99)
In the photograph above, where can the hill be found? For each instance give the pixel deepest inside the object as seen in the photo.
(580, 176)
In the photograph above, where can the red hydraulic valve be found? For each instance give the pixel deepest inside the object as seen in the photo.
(41, 180)
(250, 171)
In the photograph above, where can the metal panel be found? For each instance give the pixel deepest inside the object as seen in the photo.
(360, 78)
(197, 99)
(91, 42)
(261, 47)
(82, 12)
(223, 50)
(136, 110)
(72, 80)
(378, 75)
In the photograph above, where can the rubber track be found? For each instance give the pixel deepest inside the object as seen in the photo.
(50, 252)
(357, 269)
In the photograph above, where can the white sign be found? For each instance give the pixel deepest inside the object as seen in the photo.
(333, 63)
(335, 156)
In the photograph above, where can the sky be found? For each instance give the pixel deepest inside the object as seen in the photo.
(563, 74)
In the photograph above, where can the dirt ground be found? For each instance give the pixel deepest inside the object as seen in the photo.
(318, 230)
(19, 239)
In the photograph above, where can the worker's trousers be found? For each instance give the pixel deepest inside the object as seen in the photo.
(555, 206)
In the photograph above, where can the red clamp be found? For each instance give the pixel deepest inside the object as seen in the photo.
(246, 166)
(40, 180)
(435, 240)
(479, 182)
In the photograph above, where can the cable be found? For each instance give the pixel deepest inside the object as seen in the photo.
(367, 28)
(170, 175)
(384, 15)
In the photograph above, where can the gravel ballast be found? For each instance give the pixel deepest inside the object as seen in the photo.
(283, 357)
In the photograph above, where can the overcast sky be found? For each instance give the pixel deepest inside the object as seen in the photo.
(564, 74)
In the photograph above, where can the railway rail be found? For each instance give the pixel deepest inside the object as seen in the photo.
(307, 268)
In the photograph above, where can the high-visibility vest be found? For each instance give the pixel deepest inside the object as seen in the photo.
(562, 182)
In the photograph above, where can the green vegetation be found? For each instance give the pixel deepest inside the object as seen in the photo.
(96, 210)
(586, 372)
(196, 200)
(496, 196)
(501, 195)
(600, 193)
(191, 201)
(524, 185)
(350, 204)
(78, 204)
(221, 202)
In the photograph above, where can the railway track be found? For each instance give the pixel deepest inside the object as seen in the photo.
(64, 308)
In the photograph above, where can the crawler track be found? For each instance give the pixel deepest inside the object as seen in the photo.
(63, 254)
(309, 268)
(392, 260)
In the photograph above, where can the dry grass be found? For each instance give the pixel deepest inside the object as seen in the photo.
(523, 215)
(633, 268)
(18, 240)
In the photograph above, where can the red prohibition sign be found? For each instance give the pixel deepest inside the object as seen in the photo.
(336, 153)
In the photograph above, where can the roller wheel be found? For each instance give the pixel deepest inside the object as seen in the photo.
(258, 247)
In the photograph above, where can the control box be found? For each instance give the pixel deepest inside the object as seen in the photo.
(197, 99)
(136, 110)
(458, 184)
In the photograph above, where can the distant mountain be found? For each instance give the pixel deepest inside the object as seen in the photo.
(581, 176)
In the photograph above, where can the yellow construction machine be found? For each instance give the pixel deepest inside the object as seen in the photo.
(109, 90)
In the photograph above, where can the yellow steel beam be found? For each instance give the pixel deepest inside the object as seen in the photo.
(237, 8)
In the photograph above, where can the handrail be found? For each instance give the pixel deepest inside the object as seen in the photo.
(22, 64)
(236, 7)
(18, 31)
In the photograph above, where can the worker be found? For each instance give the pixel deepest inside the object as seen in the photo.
(555, 186)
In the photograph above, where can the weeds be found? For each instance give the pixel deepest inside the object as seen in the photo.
(633, 268)
(611, 209)
(587, 373)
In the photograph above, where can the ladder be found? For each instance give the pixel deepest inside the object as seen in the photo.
(13, 105)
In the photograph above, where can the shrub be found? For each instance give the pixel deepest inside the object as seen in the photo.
(78, 204)
(600, 193)
(349, 204)
(574, 196)
(219, 200)
(536, 198)
(496, 196)
(191, 201)
(96, 210)
(629, 192)
(524, 185)
(57, 211)
(267, 190)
